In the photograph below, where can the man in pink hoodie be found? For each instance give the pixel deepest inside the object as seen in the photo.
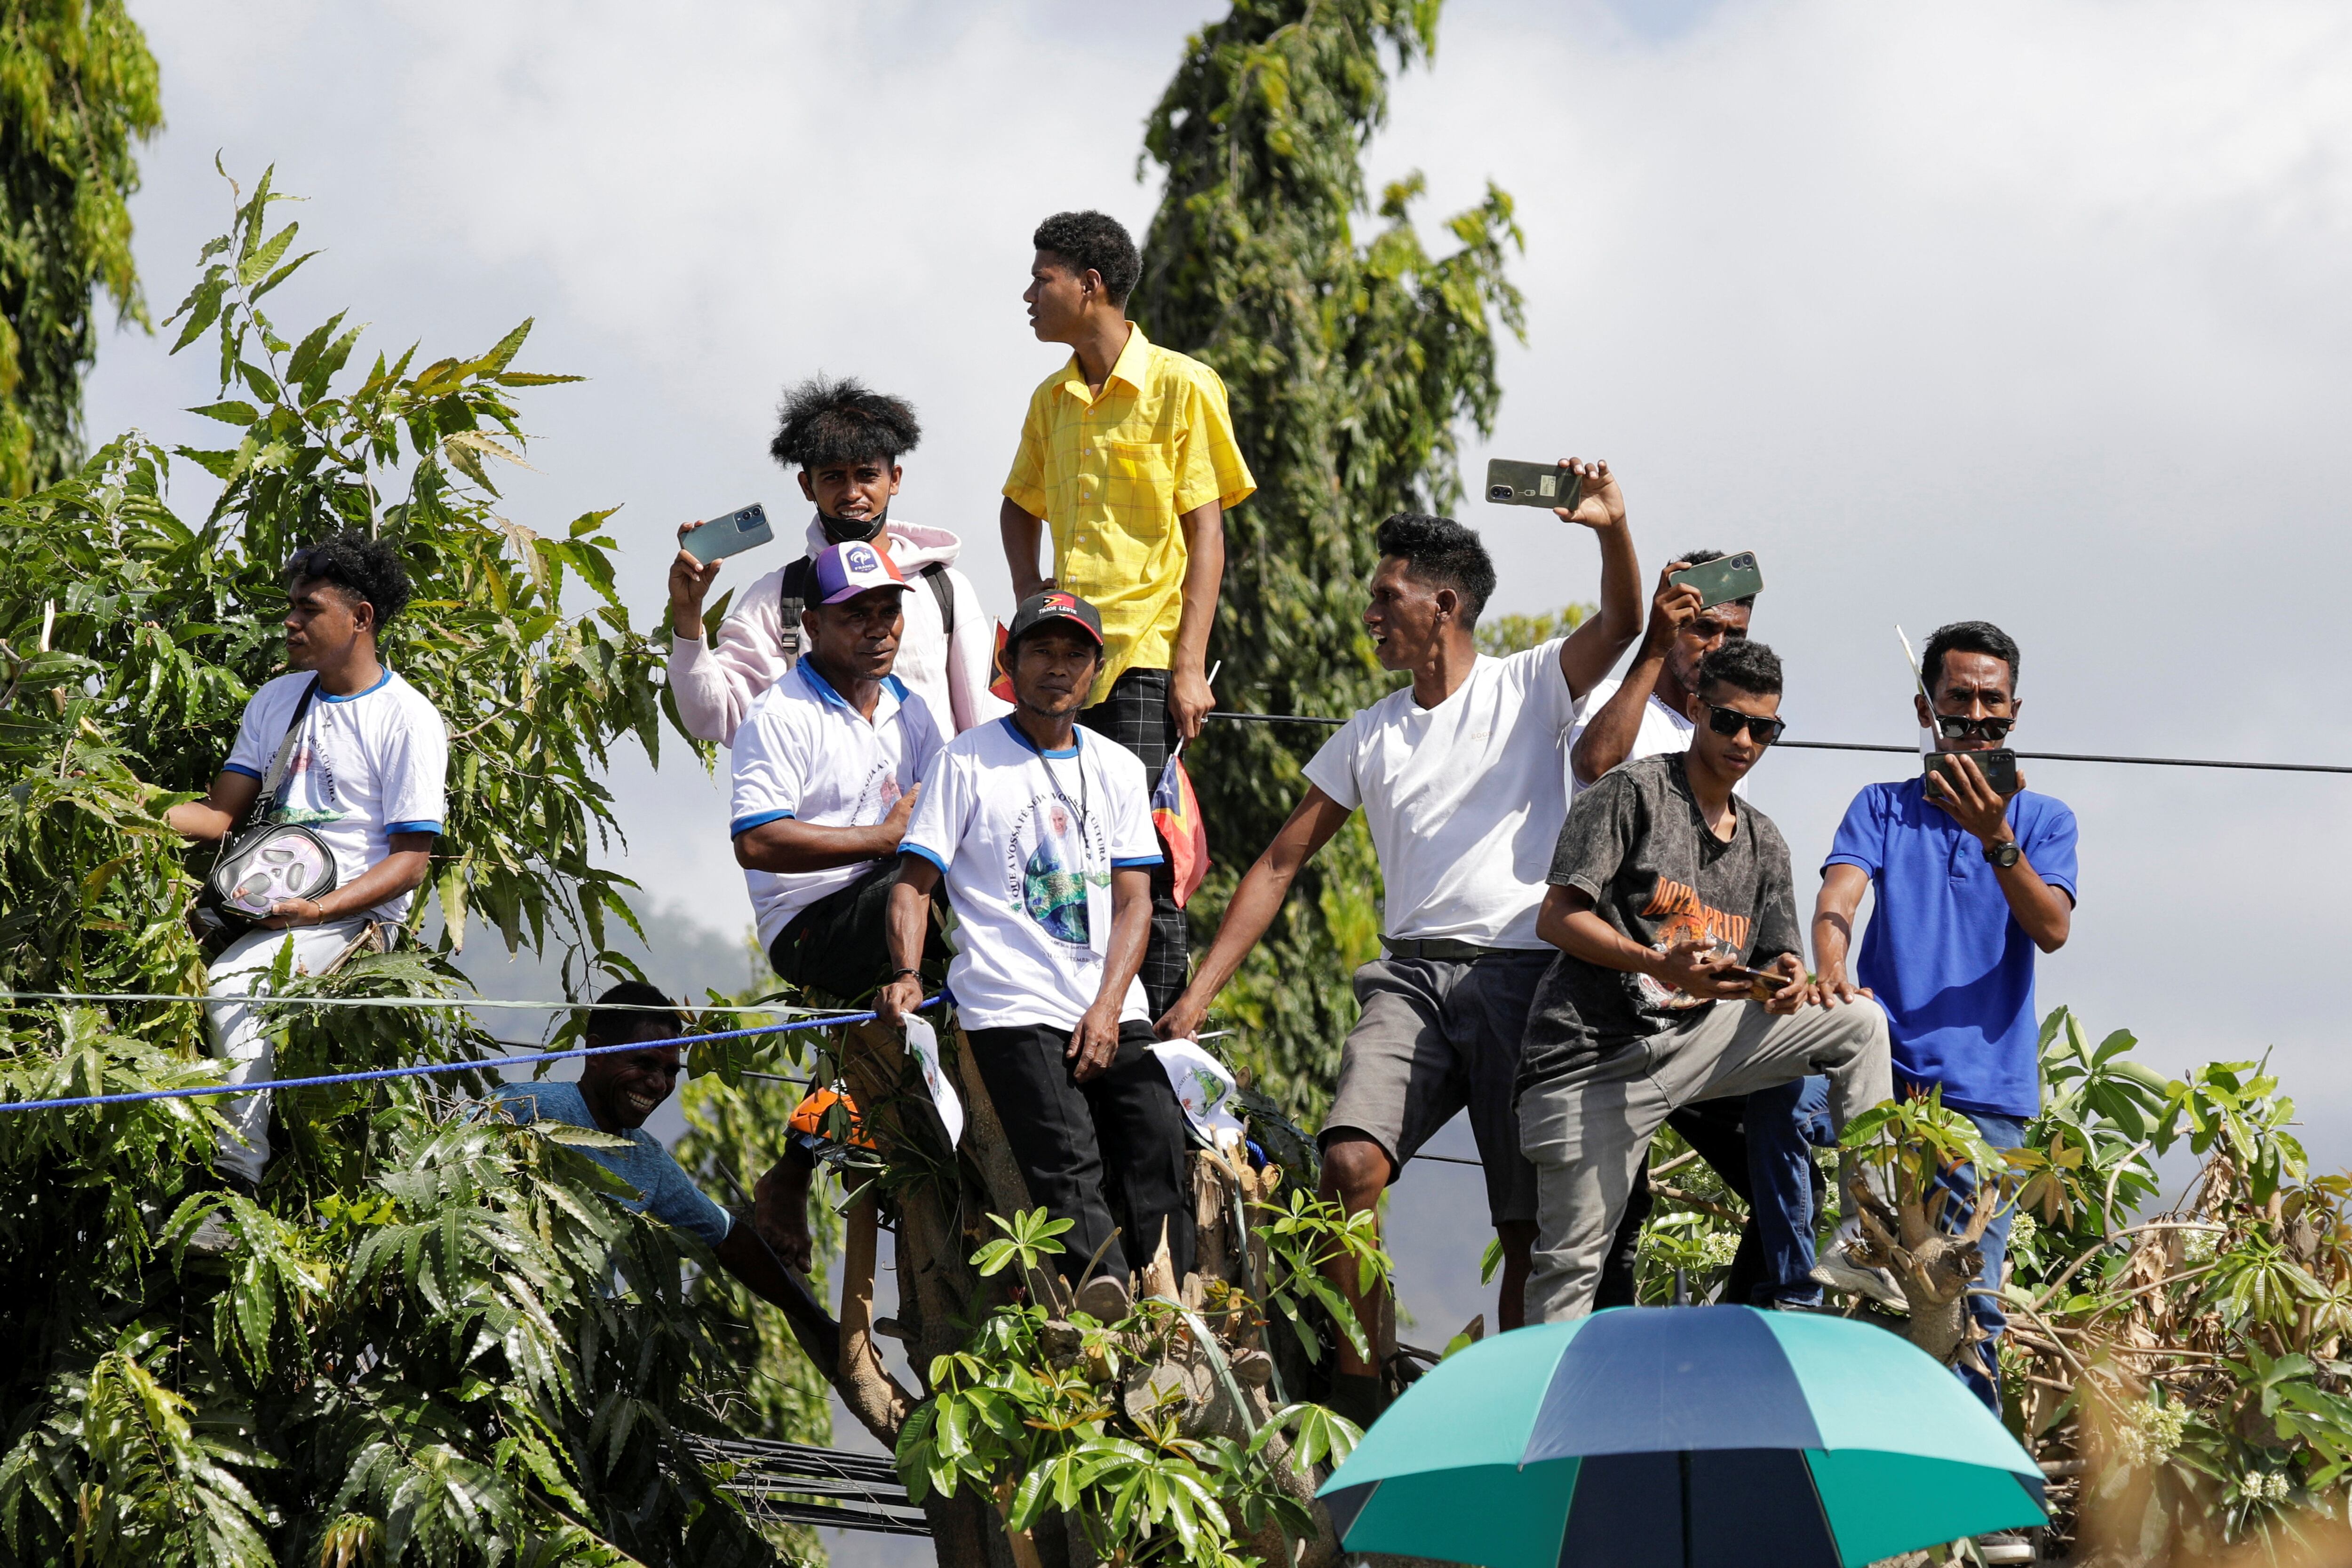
(847, 442)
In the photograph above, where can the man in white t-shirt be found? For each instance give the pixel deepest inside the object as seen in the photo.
(1759, 1143)
(365, 759)
(1461, 780)
(1041, 833)
(824, 776)
(846, 440)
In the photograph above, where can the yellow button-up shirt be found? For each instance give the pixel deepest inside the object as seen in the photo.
(1111, 476)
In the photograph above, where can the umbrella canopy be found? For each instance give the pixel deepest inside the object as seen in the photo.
(1683, 1437)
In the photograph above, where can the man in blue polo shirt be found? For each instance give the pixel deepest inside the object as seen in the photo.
(826, 773)
(1970, 885)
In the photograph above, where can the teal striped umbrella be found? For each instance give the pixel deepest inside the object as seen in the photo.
(1683, 1437)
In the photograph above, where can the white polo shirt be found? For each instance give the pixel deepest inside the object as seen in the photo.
(803, 752)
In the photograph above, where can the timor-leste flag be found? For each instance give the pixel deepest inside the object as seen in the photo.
(1176, 812)
(1001, 686)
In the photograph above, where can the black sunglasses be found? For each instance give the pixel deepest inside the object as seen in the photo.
(1958, 729)
(1728, 720)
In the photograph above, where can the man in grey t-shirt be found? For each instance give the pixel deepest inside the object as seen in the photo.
(1662, 885)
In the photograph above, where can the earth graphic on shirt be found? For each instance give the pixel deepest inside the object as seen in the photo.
(1054, 885)
(307, 796)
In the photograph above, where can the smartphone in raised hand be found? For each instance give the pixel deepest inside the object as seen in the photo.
(1547, 485)
(1719, 581)
(1999, 767)
(733, 534)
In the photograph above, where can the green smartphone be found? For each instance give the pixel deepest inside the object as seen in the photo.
(1510, 484)
(1999, 767)
(1721, 581)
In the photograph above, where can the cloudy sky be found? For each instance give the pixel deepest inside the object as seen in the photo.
(2032, 312)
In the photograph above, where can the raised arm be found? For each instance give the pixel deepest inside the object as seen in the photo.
(1255, 904)
(1589, 651)
(2044, 909)
(1607, 737)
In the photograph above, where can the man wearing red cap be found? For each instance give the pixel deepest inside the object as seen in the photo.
(824, 770)
(1041, 834)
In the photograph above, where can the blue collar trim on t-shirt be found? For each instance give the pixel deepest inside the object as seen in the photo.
(1020, 735)
(382, 681)
(823, 691)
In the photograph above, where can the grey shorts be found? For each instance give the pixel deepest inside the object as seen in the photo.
(1436, 1036)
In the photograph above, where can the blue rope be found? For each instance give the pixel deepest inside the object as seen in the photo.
(418, 1071)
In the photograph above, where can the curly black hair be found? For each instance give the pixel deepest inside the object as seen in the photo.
(824, 422)
(1094, 242)
(1443, 554)
(1967, 637)
(361, 567)
(1751, 666)
(609, 1024)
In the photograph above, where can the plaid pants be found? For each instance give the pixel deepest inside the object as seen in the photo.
(1134, 713)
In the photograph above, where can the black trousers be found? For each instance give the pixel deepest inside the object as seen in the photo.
(840, 945)
(1134, 713)
(1106, 1153)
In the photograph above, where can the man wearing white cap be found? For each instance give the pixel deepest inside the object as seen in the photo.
(824, 768)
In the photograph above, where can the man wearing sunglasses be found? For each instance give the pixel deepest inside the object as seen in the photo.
(1759, 1143)
(1970, 885)
(1678, 979)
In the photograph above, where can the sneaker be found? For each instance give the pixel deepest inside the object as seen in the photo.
(2004, 1546)
(1840, 1271)
(1105, 1298)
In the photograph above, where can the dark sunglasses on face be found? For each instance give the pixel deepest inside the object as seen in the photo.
(1728, 720)
(1956, 727)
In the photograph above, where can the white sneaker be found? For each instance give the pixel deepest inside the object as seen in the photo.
(2004, 1546)
(1838, 1270)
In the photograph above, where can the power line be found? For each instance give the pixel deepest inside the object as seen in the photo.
(1907, 750)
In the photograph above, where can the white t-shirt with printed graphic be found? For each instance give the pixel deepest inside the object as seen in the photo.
(363, 767)
(1027, 841)
(803, 752)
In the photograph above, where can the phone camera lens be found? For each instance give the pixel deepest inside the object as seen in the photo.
(1499, 492)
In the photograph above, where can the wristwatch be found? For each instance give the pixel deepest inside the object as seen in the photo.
(2003, 856)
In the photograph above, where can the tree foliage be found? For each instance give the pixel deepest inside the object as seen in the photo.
(78, 89)
(1352, 364)
(439, 1341)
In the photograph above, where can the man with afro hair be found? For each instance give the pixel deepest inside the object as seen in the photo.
(845, 439)
(1127, 456)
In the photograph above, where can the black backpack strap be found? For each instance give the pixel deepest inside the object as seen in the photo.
(943, 590)
(273, 783)
(792, 598)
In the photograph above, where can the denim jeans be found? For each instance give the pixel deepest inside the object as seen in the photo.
(1785, 1125)
(1959, 1185)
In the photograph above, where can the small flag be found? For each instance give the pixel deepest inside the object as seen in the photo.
(1001, 686)
(1176, 813)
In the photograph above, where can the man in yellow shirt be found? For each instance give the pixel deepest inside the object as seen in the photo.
(1128, 454)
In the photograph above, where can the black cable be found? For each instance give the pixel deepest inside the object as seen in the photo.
(1857, 745)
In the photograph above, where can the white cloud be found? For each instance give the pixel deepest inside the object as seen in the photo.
(2030, 311)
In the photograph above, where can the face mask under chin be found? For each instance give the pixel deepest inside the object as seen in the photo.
(853, 530)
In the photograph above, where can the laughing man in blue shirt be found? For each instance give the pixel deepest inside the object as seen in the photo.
(1970, 885)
